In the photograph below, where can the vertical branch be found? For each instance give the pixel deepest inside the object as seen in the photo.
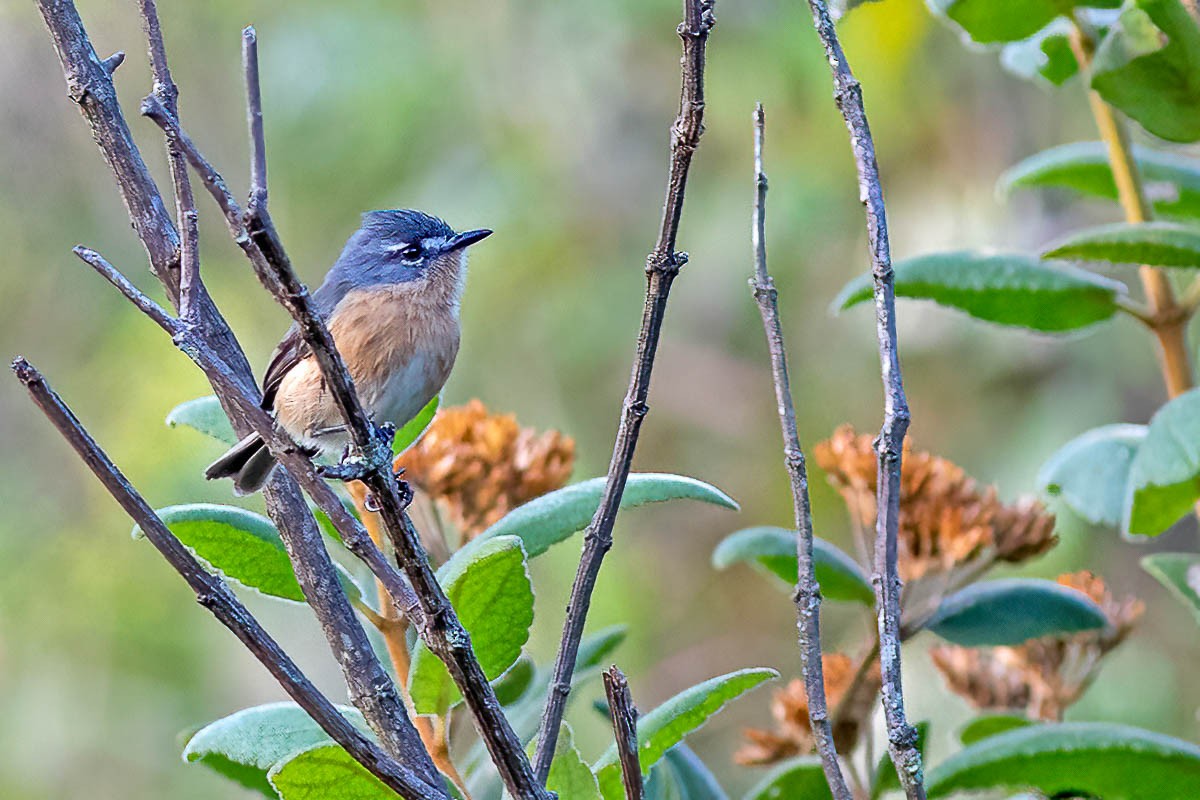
(214, 595)
(902, 737)
(257, 203)
(624, 721)
(662, 265)
(187, 219)
(808, 592)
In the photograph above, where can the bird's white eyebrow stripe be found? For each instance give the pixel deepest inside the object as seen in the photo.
(396, 248)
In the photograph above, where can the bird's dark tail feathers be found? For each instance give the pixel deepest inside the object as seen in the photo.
(248, 462)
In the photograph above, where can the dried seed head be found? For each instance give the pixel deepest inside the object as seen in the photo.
(850, 705)
(946, 520)
(479, 466)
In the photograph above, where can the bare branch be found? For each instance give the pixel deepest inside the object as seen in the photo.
(167, 93)
(114, 276)
(902, 737)
(254, 118)
(211, 343)
(624, 721)
(662, 265)
(808, 592)
(213, 594)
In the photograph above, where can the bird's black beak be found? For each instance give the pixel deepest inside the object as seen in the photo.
(465, 239)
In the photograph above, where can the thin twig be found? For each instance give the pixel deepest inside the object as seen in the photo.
(114, 276)
(902, 737)
(254, 120)
(187, 219)
(213, 594)
(808, 591)
(662, 265)
(435, 618)
(624, 721)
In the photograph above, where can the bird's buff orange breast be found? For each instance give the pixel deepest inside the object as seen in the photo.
(399, 344)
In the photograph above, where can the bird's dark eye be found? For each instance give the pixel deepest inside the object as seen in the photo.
(411, 253)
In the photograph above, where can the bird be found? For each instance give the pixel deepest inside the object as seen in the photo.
(391, 302)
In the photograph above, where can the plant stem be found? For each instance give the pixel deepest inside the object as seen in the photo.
(1168, 320)
(662, 265)
(902, 737)
(808, 591)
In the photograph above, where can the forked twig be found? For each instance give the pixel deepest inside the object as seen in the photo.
(902, 737)
(662, 265)
(808, 592)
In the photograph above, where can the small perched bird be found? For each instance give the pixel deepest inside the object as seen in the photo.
(391, 303)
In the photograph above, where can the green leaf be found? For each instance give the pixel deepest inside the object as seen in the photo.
(774, 550)
(1090, 473)
(1010, 289)
(597, 647)
(1013, 610)
(245, 745)
(1164, 479)
(1172, 182)
(412, 430)
(1157, 244)
(988, 725)
(241, 545)
(799, 778)
(1075, 759)
(556, 516)
(326, 773)
(667, 725)
(512, 685)
(205, 415)
(1180, 573)
(1045, 55)
(886, 779)
(569, 775)
(494, 599)
(1148, 66)
(1008, 20)
(681, 775)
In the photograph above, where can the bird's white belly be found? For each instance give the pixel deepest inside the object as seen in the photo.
(407, 391)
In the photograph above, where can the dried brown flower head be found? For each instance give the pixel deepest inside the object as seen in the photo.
(850, 693)
(479, 466)
(1043, 677)
(946, 520)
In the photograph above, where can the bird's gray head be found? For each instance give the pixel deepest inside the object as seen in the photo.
(398, 246)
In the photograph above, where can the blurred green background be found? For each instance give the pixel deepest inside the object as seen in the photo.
(547, 122)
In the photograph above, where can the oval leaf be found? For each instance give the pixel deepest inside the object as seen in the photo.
(1148, 66)
(494, 599)
(1075, 759)
(412, 430)
(570, 777)
(245, 745)
(1012, 611)
(1090, 473)
(1011, 289)
(801, 778)
(988, 725)
(241, 545)
(1180, 573)
(557, 516)
(1172, 182)
(1164, 478)
(774, 550)
(1007, 20)
(205, 415)
(326, 773)
(667, 725)
(1157, 244)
